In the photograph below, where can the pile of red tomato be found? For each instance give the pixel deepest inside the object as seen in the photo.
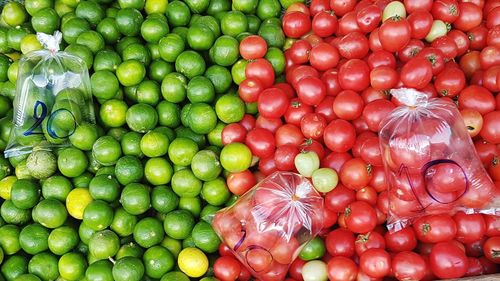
(343, 57)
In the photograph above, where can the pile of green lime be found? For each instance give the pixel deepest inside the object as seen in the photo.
(132, 198)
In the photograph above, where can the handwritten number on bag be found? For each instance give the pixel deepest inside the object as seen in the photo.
(403, 170)
(40, 117)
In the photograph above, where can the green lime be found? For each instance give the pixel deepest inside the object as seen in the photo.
(268, 9)
(185, 114)
(148, 232)
(129, 21)
(73, 28)
(158, 171)
(72, 266)
(175, 276)
(200, 89)
(33, 238)
(183, 132)
(44, 265)
(173, 87)
(215, 136)
(205, 238)
(191, 204)
(211, 23)
(136, 4)
(106, 60)
(84, 136)
(92, 39)
(13, 71)
(4, 46)
(108, 29)
(233, 23)
(245, 6)
(135, 198)
(154, 144)
(72, 162)
(208, 212)
(104, 187)
(168, 114)
(148, 92)
(123, 222)
(218, 6)
(22, 172)
(14, 266)
(14, 14)
(62, 240)
(82, 180)
(14, 215)
(41, 164)
(190, 64)
(128, 269)
(104, 84)
(125, 42)
(113, 113)
(225, 51)
(100, 271)
(4, 68)
(277, 59)
(236, 157)
(206, 166)
(230, 108)
(50, 213)
(178, 224)
(85, 232)
(56, 187)
(98, 215)
(33, 6)
(138, 52)
(171, 46)
(129, 169)
(158, 261)
(81, 51)
(131, 144)
(164, 200)
(200, 37)
(106, 150)
(202, 118)
(155, 6)
(129, 250)
(273, 35)
(253, 24)
(220, 77)
(153, 29)
(158, 69)
(14, 37)
(174, 246)
(91, 11)
(104, 244)
(9, 239)
(154, 51)
(46, 21)
(215, 192)
(314, 249)
(141, 117)
(130, 72)
(178, 13)
(25, 194)
(29, 43)
(238, 71)
(186, 184)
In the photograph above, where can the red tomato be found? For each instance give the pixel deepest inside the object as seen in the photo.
(461, 41)
(299, 51)
(340, 242)
(271, 124)
(474, 267)
(296, 110)
(262, 70)
(375, 111)
(486, 152)
(324, 23)
(353, 46)
(435, 228)
(492, 225)
(445, 178)
(296, 24)
(447, 260)
(375, 263)
(347, 24)
(284, 249)
(416, 73)
(490, 78)
(323, 56)
(336, 160)
(492, 248)
(447, 45)
(250, 89)
(477, 98)
(370, 94)
(394, 34)
(420, 23)
(470, 16)
(381, 58)
(284, 157)
(493, 37)
(488, 266)
(325, 108)
(253, 47)
(411, 50)
(354, 75)
(313, 145)
(360, 217)
(378, 180)
(313, 125)
(370, 151)
(367, 194)
(368, 18)
(348, 105)
(470, 227)
(272, 103)
(491, 127)
(233, 133)
(261, 142)
(330, 78)
(435, 57)
(239, 183)
(493, 18)
(343, 6)
(339, 136)
(408, 266)
(374, 40)
(339, 198)
(329, 218)
(383, 78)
(418, 5)
(289, 134)
(227, 268)
(342, 269)
(267, 166)
(355, 174)
(445, 10)
(450, 82)
(316, 7)
(298, 7)
(310, 90)
(470, 63)
(402, 240)
(370, 240)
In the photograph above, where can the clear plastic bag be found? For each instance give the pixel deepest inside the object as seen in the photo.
(53, 97)
(268, 226)
(430, 161)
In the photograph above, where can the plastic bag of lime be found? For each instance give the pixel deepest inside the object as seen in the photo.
(53, 99)
(267, 227)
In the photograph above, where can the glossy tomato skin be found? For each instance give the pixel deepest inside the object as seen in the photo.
(435, 228)
(239, 183)
(340, 242)
(420, 23)
(233, 133)
(447, 45)
(411, 50)
(492, 225)
(310, 90)
(353, 46)
(354, 75)
(470, 63)
(296, 24)
(369, 240)
(375, 111)
(323, 56)
(267, 166)
(383, 78)
(461, 41)
(478, 37)
(227, 268)
(289, 134)
(330, 78)
(272, 103)
(271, 124)
(261, 142)
(416, 5)
(262, 70)
(284, 157)
(296, 110)
(342, 269)
(450, 82)
(491, 249)
(355, 174)
(447, 260)
(416, 73)
(375, 263)
(394, 34)
(360, 217)
(342, 7)
(445, 10)
(339, 136)
(381, 58)
(253, 47)
(339, 198)
(335, 160)
(325, 108)
(295, 270)
(348, 105)
(408, 266)
(469, 17)
(324, 23)
(313, 125)
(477, 98)
(299, 51)
(250, 89)
(470, 227)
(368, 18)
(402, 240)
(491, 127)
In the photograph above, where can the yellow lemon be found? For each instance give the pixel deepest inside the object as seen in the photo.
(77, 201)
(6, 185)
(193, 262)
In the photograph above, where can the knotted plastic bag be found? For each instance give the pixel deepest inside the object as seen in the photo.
(430, 161)
(53, 97)
(268, 226)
